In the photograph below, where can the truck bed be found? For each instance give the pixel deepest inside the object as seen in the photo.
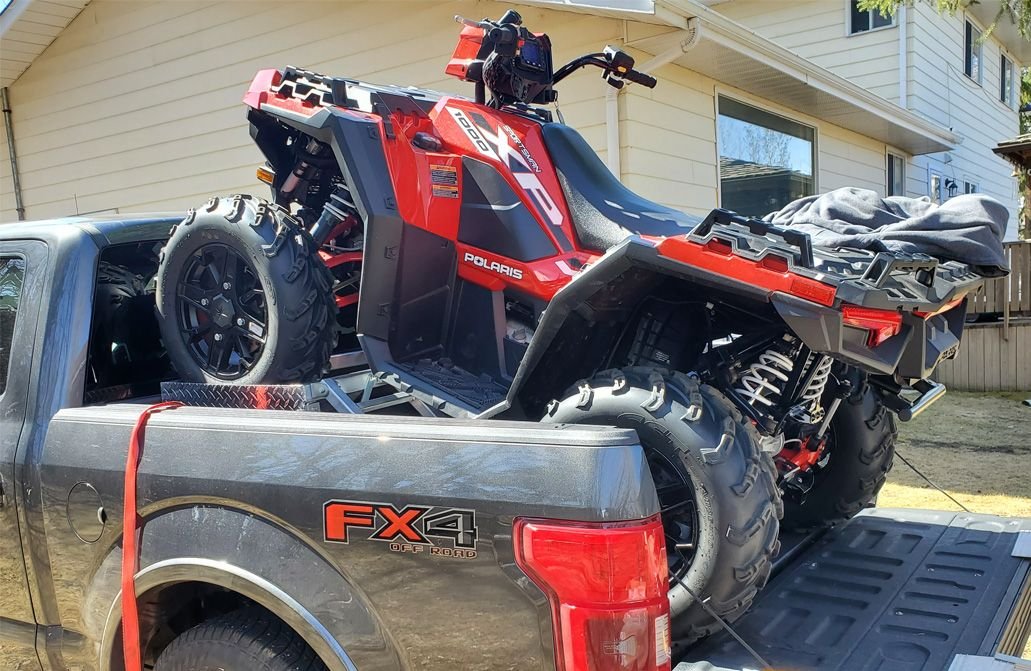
(906, 590)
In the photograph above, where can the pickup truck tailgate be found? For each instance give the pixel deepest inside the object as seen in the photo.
(905, 590)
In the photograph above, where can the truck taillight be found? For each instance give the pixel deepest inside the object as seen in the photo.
(881, 324)
(607, 584)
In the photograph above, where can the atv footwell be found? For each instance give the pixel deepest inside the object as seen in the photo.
(890, 589)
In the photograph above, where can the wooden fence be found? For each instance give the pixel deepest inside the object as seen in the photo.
(996, 355)
(1010, 294)
(989, 362)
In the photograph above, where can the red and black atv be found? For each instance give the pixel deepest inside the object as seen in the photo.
(485, 259)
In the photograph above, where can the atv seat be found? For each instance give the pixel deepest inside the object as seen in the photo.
(604, 212)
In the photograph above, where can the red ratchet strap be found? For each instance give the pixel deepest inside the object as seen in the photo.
(130, 525)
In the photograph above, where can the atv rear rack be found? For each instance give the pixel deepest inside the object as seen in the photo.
(884, 280)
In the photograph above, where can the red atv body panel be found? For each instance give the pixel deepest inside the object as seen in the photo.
(482, 183)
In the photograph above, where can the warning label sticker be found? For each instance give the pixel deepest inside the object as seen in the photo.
(446, 175)
(445, 191)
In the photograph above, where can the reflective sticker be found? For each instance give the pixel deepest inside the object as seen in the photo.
(662, 640)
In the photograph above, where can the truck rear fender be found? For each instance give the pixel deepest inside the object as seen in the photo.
(190, 541)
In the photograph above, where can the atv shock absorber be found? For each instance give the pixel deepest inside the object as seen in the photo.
(765, 381)
(336, 211)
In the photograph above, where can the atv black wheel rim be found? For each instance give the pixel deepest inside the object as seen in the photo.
(221, 310)
(679, 512)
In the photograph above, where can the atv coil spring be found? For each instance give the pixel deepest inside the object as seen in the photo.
(764, 380)
(814, 391)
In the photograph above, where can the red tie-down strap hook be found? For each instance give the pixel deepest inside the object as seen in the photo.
(130, 528)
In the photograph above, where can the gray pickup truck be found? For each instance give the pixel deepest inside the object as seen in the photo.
(279, 540)
(265, 521)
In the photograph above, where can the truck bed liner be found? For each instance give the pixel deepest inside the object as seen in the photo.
(905, 590)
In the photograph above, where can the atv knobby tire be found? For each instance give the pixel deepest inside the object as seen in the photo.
(697, 430)
(250, 639)
(861, 447)
(300, 311)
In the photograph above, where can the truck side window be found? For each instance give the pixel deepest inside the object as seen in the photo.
(126, 357)
(12, 275)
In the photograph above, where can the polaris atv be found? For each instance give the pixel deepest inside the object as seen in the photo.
(486, 260)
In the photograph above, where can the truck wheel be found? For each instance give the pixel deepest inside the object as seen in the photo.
(860, 449)
(717, 490)
(243, 297)
(250, 639)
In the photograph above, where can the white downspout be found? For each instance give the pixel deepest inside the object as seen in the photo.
(612, 130)
(903, 58)
(689, 38)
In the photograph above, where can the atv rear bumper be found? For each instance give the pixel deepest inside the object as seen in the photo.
(914, 353)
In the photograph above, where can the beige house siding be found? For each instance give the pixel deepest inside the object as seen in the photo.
(818, 30)
(942, 92)
(936, 86)
(669, 136)
(136, 105)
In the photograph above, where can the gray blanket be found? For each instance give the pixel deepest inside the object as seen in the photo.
(967, 228)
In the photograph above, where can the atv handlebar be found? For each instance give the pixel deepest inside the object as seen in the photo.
(617, 66)
(639, 77)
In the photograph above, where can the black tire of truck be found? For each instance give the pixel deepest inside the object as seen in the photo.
(295, 287)
(695, 430)
(861, 450)
(250, 639)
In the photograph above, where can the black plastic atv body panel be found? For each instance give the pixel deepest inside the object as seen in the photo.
(890, 589)
(914, 352)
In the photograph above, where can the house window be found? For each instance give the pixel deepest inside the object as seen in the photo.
(861, 21)
(969, 187)
(1007, 93)
(972, 57)
(766, 160)
(896, 175)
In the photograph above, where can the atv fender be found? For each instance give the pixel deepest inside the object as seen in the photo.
(606, 290)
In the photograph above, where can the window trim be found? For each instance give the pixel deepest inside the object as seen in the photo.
(1014, 87)
(888, 154)
(745, 98)
(848, 22)
(968, 44)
